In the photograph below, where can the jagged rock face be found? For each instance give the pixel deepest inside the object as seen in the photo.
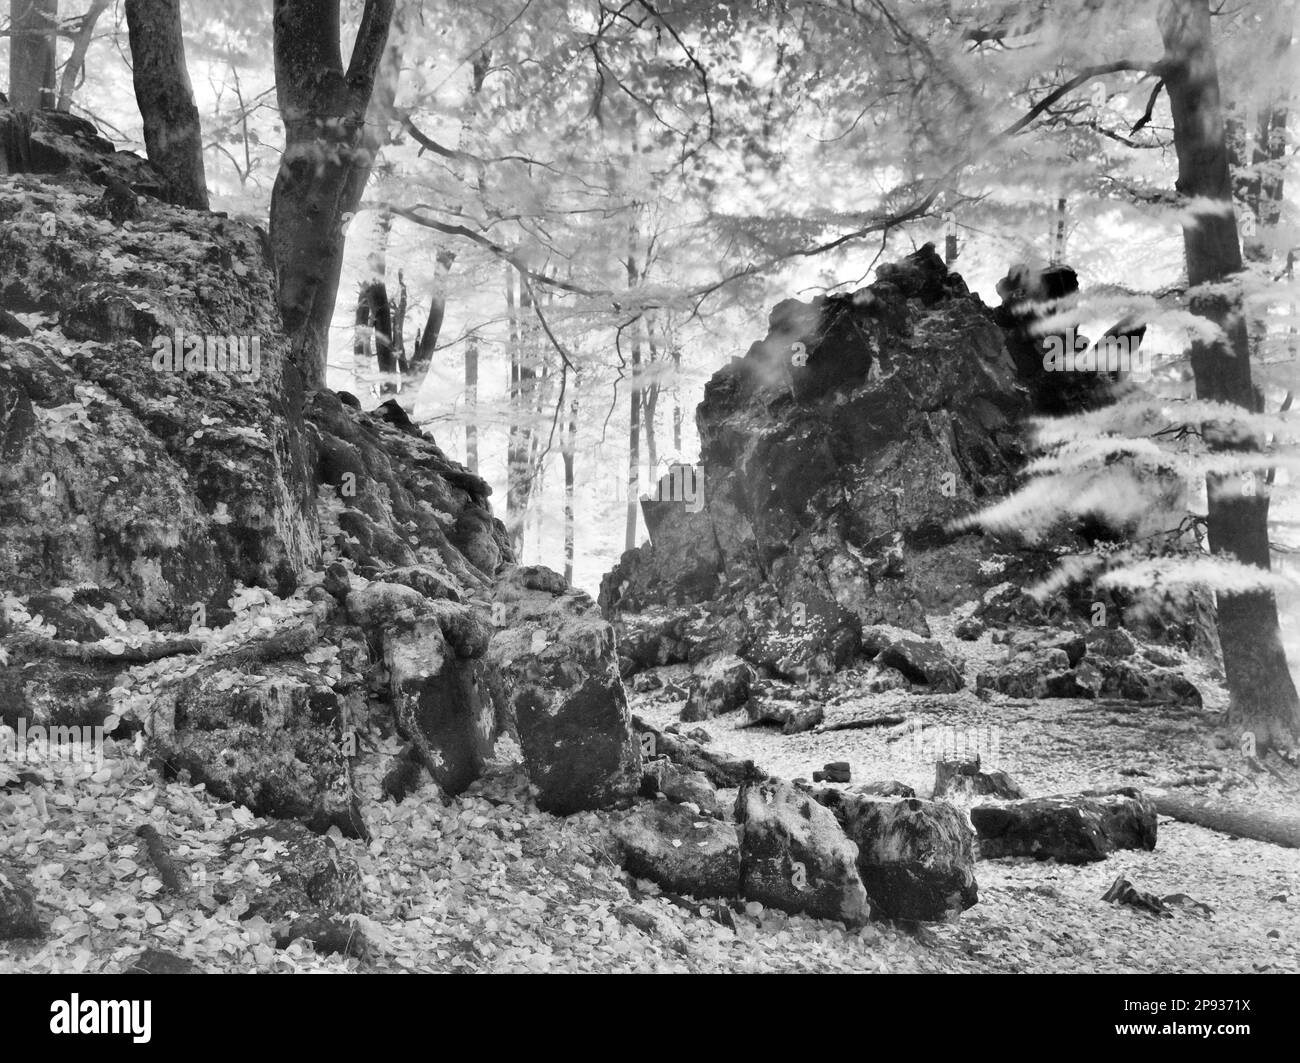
(833, 455)
(101, 434)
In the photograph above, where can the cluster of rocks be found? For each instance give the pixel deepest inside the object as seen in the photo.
(1102, 662)
(839, 854)
(245, 574)
(836, 459)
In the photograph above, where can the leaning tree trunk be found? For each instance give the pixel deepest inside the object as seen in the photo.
(446, 257)
(74, 67)
(326, 162)
(422, 359)
(1263, 699)
(173, 138)
(32, 28)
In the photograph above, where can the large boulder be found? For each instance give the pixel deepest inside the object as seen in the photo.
(916, 858)
(722, 770)
(683, 852)
(682, 785)
(554, 675)
(1070, 829)
(795, 857)
(923, 662)
(717, 686)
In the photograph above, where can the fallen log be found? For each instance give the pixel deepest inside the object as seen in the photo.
(1239, 820)
(861, 724)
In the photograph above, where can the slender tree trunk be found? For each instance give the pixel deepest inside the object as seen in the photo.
(76, 63)
(471, 404)
(326, 163)
(423, 357)
(650, 403)
(676, 352)
(1263, 698)
(173, 137)
(397, 309)
(569, 452)
(33, 25)
(634, 405)
(446, 258)
(517, 443)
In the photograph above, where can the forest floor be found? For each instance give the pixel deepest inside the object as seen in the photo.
(488, 883)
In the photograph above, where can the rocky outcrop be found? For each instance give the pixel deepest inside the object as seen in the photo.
(197, 549)
(832, 455)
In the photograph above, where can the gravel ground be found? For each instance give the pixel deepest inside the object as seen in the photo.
(1035, 916)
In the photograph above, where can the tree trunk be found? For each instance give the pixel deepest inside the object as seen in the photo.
(326, 163)
(446, 258)
(520, 423)
(471, 404)
(677, 397)
(173, 138)
(77, 60)
(650, 403)
(423, 357)
(1239, 820)
(634, 405)
(32, 25)
(569, 451)
(397, 309)
(1263, 698)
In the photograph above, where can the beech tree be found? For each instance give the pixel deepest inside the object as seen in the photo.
(326, 161)
(33, 28)
(172, 135)
(1263, 694)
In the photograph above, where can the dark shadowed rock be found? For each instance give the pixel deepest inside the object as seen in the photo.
(916, 858)
(669, 844)
(923, 662)
(678, 784)
(791, 716)
(833, 457)
(722, 770)
(885, 788)
(1071, 829)
(969, 629)
(965, 777)
(555, 678)
(718, 686)
(1110, 642)
(1025, 675)
(18, 918)
(795, 857)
